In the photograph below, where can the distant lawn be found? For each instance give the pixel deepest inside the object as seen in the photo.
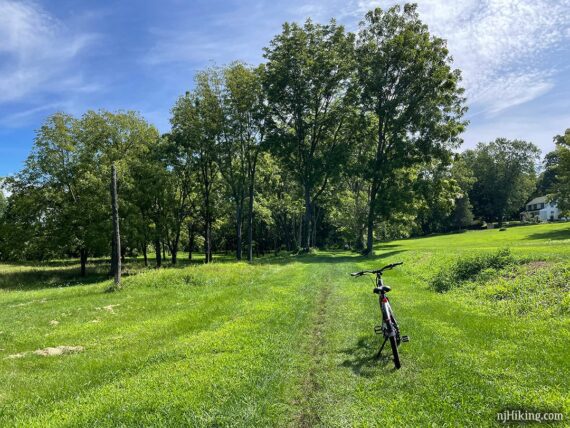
(288, 341)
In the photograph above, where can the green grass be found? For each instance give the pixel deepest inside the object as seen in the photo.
(288, 341)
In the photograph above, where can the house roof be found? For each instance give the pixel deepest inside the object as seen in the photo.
(539, 200)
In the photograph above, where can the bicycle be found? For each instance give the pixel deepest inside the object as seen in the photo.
(389, 327)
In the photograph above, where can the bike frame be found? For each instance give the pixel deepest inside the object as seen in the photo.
(389, 324)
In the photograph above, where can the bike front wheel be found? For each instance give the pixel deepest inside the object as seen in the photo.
(394, 345)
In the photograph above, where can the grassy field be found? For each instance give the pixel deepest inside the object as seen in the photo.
(288, 341)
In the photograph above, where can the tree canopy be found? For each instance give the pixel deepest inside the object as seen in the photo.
(338, 139)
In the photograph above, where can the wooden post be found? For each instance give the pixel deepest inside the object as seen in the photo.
(116, 262)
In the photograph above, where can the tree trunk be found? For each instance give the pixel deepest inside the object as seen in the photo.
(116, 232)
(308, 216)
(370, 222)
(314, 229)
(158, 252)
(239, 215)
(207, 243)
(145, 255)
(174, 246)
(113, 258)
(191, 237)
(83, 259)
(300, 236)
(174, 252)
(163, 251)
(250, 224)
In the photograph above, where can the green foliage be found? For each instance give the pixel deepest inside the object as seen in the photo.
(309, 86)
(60, 201)
(407, 84)
(468, 268)
(561, 187)
(505, 177)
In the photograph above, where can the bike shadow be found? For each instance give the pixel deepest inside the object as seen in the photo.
(363, 359)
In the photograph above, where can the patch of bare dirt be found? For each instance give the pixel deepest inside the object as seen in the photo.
(109, 308)
(14, 356)
(48, 352)
(536, 265)
(31, 302)
(54, 322)
(59, 350)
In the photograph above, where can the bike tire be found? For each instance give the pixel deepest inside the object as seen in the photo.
(394, 346)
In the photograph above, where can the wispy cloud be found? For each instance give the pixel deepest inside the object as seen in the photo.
(500, 45)
(36, 52)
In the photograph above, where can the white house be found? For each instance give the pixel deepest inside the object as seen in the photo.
(540, 208)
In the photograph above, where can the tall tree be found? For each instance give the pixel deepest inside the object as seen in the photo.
(116, 262)
(462, 215)
(197, 124)
(57, 205)
(308, 83)
(505, 177)
(548, 178)
(180, 185)
(244, 132)
(408, 84)
(118, 139)
(561, 187)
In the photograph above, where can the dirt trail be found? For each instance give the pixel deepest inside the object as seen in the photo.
(308, 415)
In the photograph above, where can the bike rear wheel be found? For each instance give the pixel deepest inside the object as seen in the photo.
(394, 346)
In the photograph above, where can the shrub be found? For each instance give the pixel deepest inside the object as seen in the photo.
(468, 268)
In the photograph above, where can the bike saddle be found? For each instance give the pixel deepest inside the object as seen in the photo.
(383, 289)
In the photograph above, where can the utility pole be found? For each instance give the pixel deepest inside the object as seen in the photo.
(116, 262)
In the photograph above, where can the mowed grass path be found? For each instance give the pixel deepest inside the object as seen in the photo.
(285, 342)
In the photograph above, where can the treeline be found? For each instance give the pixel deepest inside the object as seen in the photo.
(338, 139)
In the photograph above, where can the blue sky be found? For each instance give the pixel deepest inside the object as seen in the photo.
(73, 55)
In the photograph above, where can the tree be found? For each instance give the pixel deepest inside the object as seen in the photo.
(408, 86)
(437, 192)
(197, 125)
(548, 179)
(561, 186)
(462, 215)
(116, 229)
(308, 83)
(118, 139)
(56, 206)
(179, 181)
(505, 177)
(244, 132)
(3, 200)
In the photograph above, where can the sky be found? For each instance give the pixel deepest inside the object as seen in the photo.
(73, 55)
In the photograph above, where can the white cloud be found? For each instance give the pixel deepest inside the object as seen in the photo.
(498, 44)
(36, 52)
(20, 118)
(528, 126)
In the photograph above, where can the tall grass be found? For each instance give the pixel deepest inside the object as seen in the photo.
(468, 268)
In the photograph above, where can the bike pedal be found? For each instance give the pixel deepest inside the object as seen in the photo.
(405, 339)
(378, 329)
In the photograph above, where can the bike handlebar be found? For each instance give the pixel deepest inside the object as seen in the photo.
(377, 271)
